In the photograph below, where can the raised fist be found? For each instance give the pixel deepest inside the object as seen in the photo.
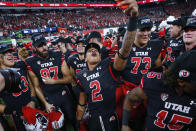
(132, 7)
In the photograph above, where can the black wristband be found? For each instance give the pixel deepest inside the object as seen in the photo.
(33, 98)
(121, 56)
(81, 104)
(132, 24)
(125, 119)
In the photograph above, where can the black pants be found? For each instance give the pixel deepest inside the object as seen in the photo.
(103, 123)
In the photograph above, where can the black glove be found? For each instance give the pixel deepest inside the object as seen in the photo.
(12, 80)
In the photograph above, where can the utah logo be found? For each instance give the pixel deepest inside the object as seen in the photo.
(112, 118)
(164, 96)
(184, 73)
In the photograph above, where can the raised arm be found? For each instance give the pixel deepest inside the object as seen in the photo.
(121, 57)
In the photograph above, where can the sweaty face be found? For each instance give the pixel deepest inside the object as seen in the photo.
(93, 56)
(80, 48)
(42, 50)
(143, 36)
(175, 31)
(189, 36)
(7, 59)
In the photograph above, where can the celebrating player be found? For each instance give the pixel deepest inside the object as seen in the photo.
(99, 80)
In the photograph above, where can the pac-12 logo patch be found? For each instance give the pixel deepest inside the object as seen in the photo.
(164, 96)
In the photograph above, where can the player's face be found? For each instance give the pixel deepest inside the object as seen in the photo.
(190, 88)
(175, 31)
(143, 36)
(61, 46)
(42, 50)
(189, 36)
(80, 48)
(93, 56)
(7, 59)
(55, 47)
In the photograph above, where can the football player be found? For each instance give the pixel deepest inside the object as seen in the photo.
(15, 101)
(189, 34)
(175, 44)
(170, 97)
(99, 80)
(49, 70)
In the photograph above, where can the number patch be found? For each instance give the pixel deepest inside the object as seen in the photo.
(47, 72)
(96, 96)
(26, 86)
(169, 58)
(138, 61)
(176, 122)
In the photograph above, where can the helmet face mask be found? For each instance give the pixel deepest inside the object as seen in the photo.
(42, 120)
(41, 123)
(37, 120)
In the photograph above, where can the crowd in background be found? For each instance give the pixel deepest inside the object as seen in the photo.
(63, 1)
(86, 20)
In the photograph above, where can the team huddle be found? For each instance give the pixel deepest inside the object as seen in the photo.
(143, 85)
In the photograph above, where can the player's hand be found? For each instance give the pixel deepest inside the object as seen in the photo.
(125, 128)
(49, 107)
(132, 9)
(48, 81)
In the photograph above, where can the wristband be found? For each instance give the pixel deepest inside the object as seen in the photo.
(132, 24)
(125, 119)
(81, 104)
(121, 56)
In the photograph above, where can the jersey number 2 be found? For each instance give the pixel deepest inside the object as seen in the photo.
(96, 96)
(174, 122)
